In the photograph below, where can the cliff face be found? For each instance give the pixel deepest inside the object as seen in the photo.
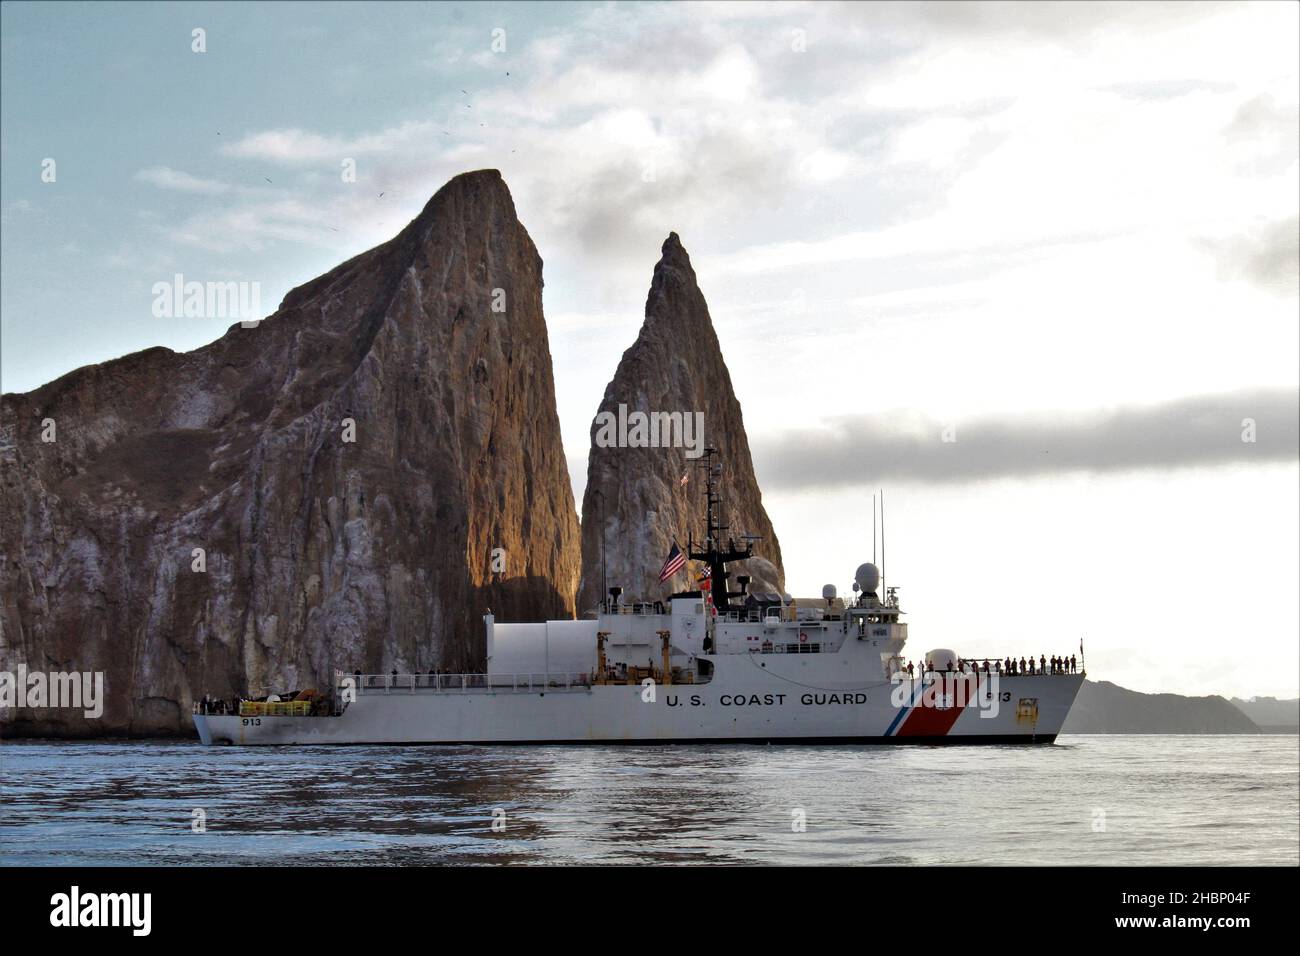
(634, 497)
(320, 552)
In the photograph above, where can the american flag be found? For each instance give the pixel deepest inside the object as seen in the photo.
(676, 561)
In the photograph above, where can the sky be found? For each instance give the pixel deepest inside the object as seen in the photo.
(1030, 269)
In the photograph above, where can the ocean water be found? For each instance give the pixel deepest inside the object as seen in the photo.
(1086, 800)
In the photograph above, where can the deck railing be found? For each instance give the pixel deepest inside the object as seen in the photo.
(465, 683)
(643, 608)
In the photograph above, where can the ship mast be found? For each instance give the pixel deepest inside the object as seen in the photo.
(712, 553)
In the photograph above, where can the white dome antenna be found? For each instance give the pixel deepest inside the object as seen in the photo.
(867, 578)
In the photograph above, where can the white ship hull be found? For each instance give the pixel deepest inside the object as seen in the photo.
(758, 698)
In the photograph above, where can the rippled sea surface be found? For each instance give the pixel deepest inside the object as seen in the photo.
(1086, 800)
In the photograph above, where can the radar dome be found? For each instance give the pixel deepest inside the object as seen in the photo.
(943, 659)
(867, 577)
(828, 592)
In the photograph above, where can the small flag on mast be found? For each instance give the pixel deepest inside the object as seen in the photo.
(676, 561)
(705, 579)
(685, 478)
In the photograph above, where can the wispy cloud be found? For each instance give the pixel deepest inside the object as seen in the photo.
(166, 178)
(295, 146)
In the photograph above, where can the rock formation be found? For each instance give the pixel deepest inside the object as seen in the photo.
(1271, 715)
(347, 468)
(1106, 708)
(635, 505)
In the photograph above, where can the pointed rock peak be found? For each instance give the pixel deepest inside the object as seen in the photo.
(635, 504)
(675, 304)
(476, 179)
(477, 175)
(674, 255)
(473, 209)
(468, 187)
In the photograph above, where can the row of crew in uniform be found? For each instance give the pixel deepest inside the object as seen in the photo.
(1009, 665)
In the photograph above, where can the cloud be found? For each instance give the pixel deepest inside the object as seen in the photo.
(1262, 117)
(1064, 22)
(1263, 137)
(1268, 257)
(166, 178)
(291, 147)
(252, 226)
(1166, 89)
(605, 153)
(11, 212)
(891, 131)
(1200, 431)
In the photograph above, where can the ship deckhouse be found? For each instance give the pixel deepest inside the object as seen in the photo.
(683, 639)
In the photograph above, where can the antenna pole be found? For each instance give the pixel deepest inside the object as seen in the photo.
(714, 554)
(882, 541)
(873, 529)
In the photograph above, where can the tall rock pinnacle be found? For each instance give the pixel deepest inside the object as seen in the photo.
(635, 504)
(350, 484)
